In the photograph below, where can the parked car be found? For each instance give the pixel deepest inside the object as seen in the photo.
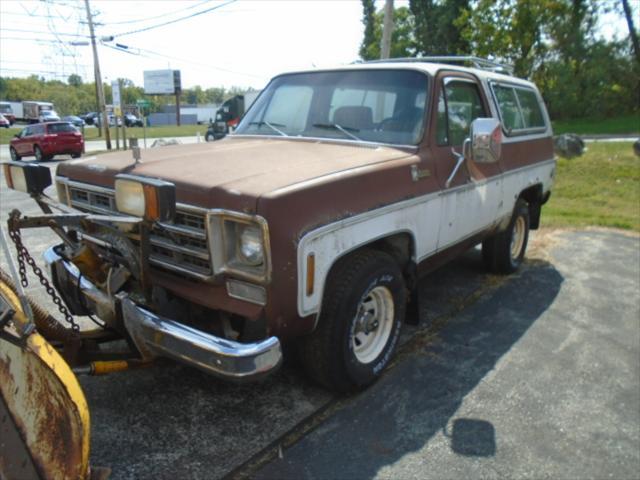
(4, 122)
(48, 116)
(75, 121)
(90, 118)
(111, 118)
(45, 140)
(130, 120)
(313, 221)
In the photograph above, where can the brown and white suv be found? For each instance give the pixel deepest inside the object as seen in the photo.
(313, 222)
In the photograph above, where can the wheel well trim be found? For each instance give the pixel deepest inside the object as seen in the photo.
(320, 285)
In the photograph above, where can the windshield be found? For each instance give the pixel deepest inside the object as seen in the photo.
(382, 106)
(49, 113)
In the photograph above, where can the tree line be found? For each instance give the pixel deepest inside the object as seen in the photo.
(554, 43)
(75, 97)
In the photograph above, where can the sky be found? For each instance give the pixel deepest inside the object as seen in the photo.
(237, 43)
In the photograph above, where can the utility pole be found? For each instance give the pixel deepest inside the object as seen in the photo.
(102, 111)
(387, 30)
(632, 31)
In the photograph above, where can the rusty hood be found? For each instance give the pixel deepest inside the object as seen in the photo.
(235, 172)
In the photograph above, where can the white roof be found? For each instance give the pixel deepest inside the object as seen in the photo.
(427, 67)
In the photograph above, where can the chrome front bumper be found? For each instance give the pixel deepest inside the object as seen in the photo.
(156, 336)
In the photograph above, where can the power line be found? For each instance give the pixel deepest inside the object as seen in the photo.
(46, 33)
(19, 62)
(139, 20)
(44, 40)
(44, 72)
(139, 51)
(175, 20)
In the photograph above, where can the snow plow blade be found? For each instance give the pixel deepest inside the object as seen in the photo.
(44, 417)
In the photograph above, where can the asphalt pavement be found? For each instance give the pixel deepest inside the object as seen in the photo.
(539, 378)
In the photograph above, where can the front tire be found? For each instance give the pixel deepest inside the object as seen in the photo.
(208, 137)
(14, 155)
(359, 325)
(504, 252)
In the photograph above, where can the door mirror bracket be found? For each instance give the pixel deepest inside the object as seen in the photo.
(461, 157)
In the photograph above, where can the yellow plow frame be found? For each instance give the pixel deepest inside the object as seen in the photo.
(44, 417)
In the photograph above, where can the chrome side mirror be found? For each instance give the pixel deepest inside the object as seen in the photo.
(486, 140)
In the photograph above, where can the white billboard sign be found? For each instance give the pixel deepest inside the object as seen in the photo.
(159, 82)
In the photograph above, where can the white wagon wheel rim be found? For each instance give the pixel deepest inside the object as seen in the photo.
(373, 324)
(517, 238)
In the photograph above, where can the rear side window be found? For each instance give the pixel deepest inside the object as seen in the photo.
(61, 128)
(37, 130)
(519, 109)
(530, 108)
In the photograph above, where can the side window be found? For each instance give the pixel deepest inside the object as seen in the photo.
(463, 105)
(519, 108)
(530, 107)
(38, 130)
(27, 132)
(509, 111)
(294, 111)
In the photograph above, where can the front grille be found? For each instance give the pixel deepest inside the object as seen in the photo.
(98, 202)
(180, 246)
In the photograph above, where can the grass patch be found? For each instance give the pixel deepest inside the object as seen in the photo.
(91, 133)
(594, 126)
(600, 188)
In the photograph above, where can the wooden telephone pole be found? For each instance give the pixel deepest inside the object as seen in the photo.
(102, 111)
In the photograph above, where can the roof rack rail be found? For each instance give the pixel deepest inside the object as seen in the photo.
(476, 62)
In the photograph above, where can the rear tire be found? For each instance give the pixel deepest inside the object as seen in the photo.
(359, 325)
(504, 252)
(14, 155)
(76, 155)
(37, 151)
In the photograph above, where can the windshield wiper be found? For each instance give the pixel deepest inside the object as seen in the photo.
(272, 126)
(334, 126)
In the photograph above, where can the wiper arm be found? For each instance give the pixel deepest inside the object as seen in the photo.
(346, 130)
(272, 126)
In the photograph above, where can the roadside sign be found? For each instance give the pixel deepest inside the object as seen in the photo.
(143, 103)
(115, 92)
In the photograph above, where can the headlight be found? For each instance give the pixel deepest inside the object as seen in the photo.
(250, 248)
(240, 246)
(145, 197)
(26, 177)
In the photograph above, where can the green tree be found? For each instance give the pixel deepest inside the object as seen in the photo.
(215, 94)
(437, 31)
(402, 39)
(369, 21)
(74, 80)
(512, 31)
